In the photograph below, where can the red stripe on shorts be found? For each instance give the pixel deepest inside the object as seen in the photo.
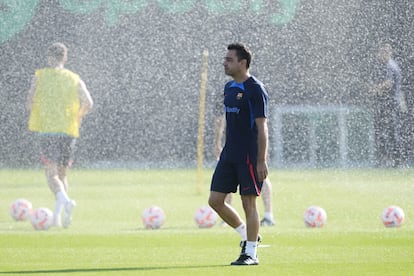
(251, 170)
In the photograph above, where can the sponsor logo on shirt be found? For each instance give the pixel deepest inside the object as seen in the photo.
(232, 109)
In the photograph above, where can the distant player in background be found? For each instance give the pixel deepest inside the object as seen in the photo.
(390, 107)
(268, 218)
(242, 162)
(57, 101)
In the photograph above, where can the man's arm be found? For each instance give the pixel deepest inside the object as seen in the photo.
(262, 141)
(86, 102)
(218, 135)
(31, 94)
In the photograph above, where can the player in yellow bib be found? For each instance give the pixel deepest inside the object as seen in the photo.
(58, 99)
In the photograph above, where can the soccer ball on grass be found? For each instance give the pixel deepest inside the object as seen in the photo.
(41, 218)
(20, 209)
(393, 216)
(315, 216)
(205, 217)
(153, 217)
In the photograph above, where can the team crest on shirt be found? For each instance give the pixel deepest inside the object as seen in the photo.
(239, 96)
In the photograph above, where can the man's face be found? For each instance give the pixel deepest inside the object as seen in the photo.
(231, 64)
(384, 55)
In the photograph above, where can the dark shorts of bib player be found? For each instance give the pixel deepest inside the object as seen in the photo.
(229, 175)
(58, 149)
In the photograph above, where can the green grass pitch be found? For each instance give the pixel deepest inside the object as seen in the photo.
(107, 236)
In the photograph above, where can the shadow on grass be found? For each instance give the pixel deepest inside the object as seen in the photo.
(114, 269)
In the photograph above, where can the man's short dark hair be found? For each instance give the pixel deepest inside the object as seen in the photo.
(242, 52)
(57, 51)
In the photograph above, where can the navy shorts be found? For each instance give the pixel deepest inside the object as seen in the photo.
(228, 176)
(57, 149)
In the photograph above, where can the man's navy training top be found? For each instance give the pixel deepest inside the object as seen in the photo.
(243, 103)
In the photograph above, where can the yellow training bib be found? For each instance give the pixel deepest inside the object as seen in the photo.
(56, 104)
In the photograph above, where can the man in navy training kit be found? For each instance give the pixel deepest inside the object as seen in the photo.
(243, 159)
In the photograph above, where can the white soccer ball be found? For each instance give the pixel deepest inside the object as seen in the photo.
(20, 209)
(393, 216)
(153, 217)
(205, 217)
(315, 216)
(41, 218)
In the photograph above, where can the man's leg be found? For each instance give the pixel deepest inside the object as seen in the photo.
(229, 201)
(227, 213)
(63, 178)
(229, 198)
(57, 188)
(252, 217)
(69, 205)
(249, 251)
(266, 195)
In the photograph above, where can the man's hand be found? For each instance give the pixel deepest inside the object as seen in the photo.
(261, 170)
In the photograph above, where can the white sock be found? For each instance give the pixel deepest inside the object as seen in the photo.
(251, 249)
(241, 229)
(57, 211)
(268, 215)
(62, 197)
